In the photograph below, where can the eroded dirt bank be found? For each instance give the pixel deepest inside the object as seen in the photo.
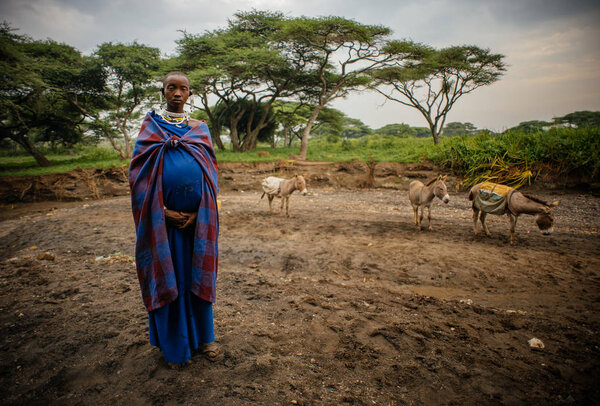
(343, 303)
(89, 184)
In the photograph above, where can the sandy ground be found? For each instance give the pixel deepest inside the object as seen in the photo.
(345, 302)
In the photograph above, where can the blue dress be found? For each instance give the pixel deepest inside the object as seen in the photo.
(181, 326)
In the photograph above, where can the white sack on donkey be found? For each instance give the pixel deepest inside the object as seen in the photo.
(282, 188)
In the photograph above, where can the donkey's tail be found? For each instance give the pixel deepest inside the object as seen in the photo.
(471, 195)
(263, 195)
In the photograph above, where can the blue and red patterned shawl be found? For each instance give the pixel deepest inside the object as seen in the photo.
(152, 254)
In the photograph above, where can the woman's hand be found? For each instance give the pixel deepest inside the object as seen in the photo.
(180, 219)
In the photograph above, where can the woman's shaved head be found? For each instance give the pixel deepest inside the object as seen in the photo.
(175, 73)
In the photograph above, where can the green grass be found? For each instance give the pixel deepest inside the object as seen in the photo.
(380, 148)
(513, 158)
(85, 157)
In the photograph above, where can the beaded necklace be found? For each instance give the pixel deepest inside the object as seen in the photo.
(177, 119)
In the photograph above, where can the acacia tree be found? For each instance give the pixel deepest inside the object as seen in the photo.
(40, 79)
(432, 80)
(335, 54)
(241, 67)
(130, 71)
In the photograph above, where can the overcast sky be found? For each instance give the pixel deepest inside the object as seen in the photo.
(552, 47)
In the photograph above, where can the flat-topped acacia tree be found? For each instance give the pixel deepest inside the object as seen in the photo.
(244, 70)
(432, 80)
(335, 54)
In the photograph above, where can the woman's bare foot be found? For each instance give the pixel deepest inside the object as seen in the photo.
(176, 366)
(211, 351)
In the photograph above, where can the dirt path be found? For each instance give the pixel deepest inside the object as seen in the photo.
(345, 302)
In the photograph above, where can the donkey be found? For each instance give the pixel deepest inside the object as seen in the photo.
(421, 195)
(517, 203)
(282, 188)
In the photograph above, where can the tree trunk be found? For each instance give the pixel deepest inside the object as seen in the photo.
(233, 133)
(286, 135)
(111, 139)
(215, 133)
(436, 136)
(22, 140)
(306, 132)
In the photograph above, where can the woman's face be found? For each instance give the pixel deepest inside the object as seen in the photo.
(176, 90)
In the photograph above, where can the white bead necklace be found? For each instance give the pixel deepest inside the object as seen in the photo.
(177, 119)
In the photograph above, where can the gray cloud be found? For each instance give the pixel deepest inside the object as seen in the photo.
(552, 46)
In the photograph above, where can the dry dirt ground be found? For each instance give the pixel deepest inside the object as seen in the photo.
(345, 302)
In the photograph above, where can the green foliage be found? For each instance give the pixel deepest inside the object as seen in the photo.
(432, 80)
(40, 80)
(403, 130)
(456, 129)
(531, 126)
(580, 119)
(515, 158)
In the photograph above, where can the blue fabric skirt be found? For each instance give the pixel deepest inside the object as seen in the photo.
(181, 326)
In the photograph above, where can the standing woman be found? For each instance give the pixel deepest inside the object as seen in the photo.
(173, 181)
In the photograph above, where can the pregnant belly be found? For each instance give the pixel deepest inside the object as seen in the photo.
(182, 181)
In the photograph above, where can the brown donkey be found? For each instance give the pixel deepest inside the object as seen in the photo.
(421, 195)
(492, 198)
(282, 188)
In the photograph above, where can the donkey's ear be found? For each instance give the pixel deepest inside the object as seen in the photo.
(444, 178)
(439, 177)
(554, 204)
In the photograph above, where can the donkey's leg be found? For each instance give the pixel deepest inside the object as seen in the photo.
(482, 217)
(421, 218)
(513, 222)
(429, 218)
(270, 203)
(475, 216)
(287, 207)
(281, 207)
(416, 211)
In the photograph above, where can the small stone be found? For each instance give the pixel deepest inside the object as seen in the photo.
(46, 256)
(294, 402)
(536, 344)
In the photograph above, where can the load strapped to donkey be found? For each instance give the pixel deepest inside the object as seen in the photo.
(271, 185)
(282, 188)
(492, 198)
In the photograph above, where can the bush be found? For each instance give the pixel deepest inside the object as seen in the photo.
(517, 157)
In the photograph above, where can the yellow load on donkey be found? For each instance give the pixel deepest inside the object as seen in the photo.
(492, 198)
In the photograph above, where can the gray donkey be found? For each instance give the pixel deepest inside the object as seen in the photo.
(492, 198)
(421, 195)
(282, 188)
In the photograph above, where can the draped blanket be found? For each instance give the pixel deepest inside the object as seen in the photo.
(271, 184)
(152, 253)
(492, 198)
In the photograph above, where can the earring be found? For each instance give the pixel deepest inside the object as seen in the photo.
(191, 103)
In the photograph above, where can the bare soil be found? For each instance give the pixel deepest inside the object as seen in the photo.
(345, 302)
